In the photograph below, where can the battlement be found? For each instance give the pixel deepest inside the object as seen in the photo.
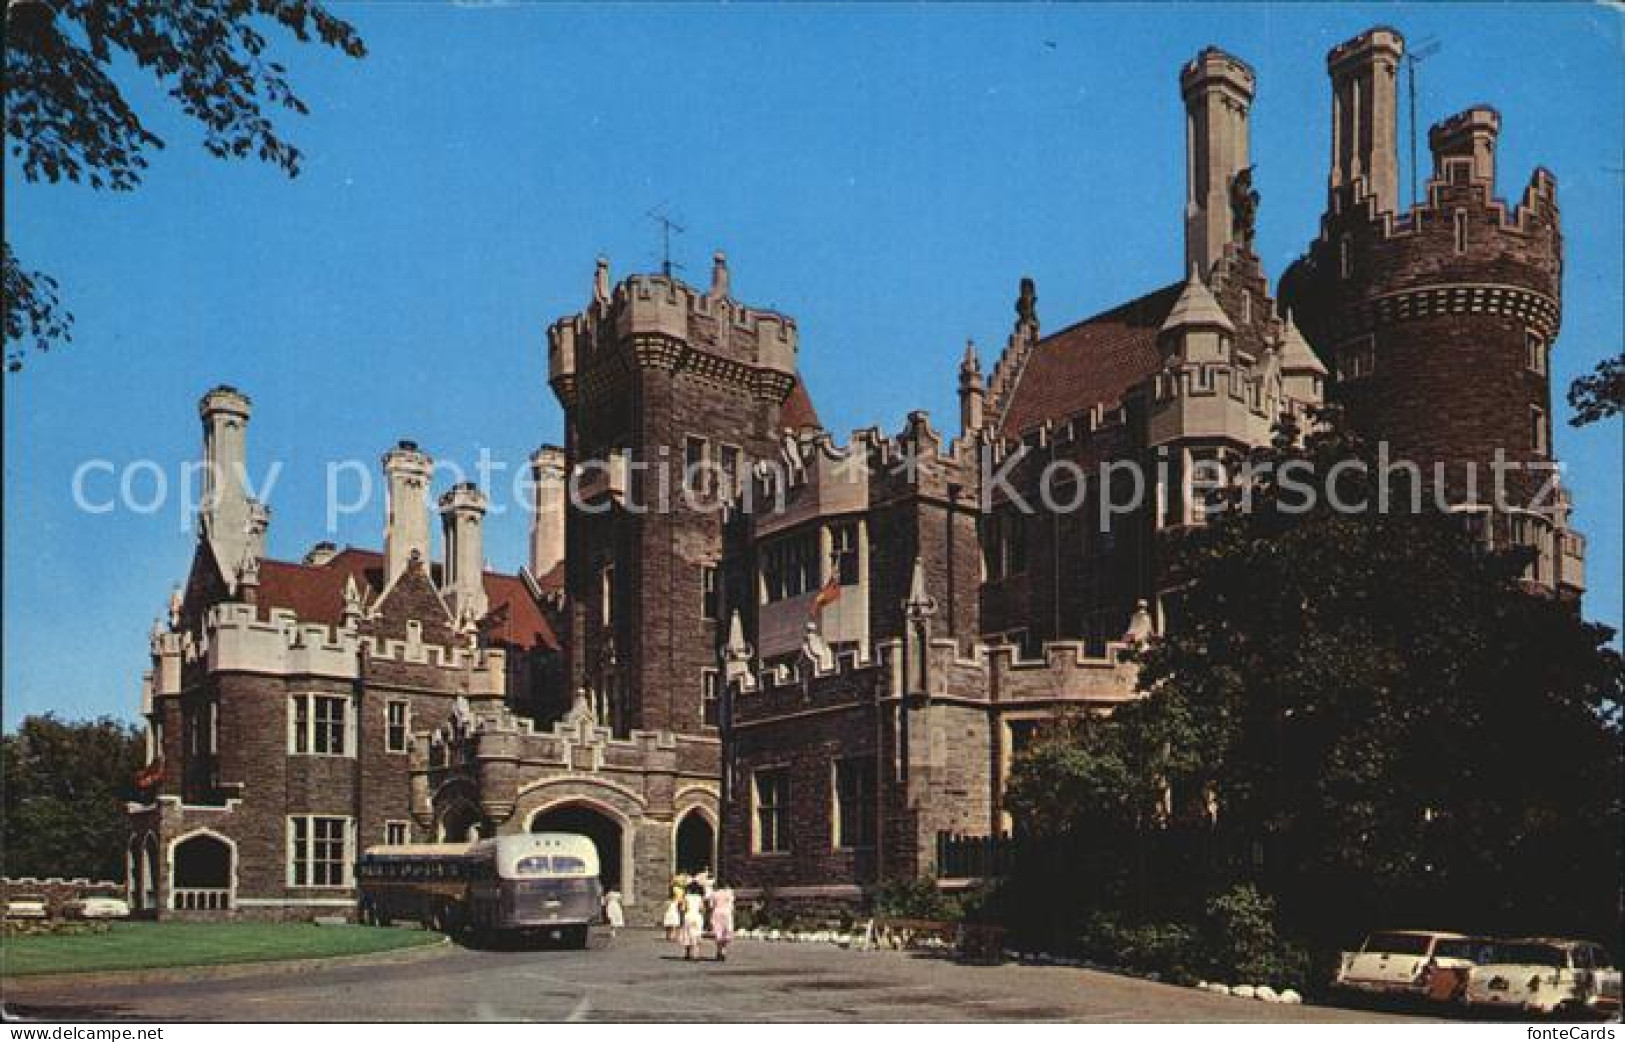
(816, 476)
(1378, 41)
(236, 639)
(1063, 672)
(659, 306)
(1212, 66)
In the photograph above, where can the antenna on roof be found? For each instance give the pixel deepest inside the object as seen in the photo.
(1425, 48)
(667, 226)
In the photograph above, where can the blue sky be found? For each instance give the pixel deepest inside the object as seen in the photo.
(885, 174)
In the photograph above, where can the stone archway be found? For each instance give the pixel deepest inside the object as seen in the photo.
(694, 843)
(585, 818)
(202, 872)
(458, 822)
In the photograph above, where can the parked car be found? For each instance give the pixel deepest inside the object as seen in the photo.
(1406, 962)
(1543, 975)
(98, 908)
(27, 908)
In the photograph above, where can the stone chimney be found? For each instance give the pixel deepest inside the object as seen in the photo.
(406, 528)
(462, 515)
(547, 474)
(1365, 114)
(1218, 92)
(1467, 135)
(233, 523)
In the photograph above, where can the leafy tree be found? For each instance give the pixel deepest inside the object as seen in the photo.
(65, 789)
(67, 119)
(1600, 393)
(1385, 724)
(1393, 727)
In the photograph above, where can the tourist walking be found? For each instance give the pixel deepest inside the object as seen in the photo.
(721, 901)
(614, 912)
(693, 926)
(672, 920)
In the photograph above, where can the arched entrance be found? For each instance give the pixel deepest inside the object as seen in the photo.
(585, 820)
(459, 822)
(694, 844)
(202, 871)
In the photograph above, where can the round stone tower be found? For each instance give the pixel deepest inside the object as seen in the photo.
(1437, 320)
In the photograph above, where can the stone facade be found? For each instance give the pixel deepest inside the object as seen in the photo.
(741, 645)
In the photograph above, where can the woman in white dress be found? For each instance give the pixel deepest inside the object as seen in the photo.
(614, 912)
(693, 926)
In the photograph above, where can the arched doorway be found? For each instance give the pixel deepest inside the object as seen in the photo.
(459, 822)
(694, 845)
(586, 820)
(203, 868)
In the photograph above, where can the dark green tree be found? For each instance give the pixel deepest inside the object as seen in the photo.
(1600, 393)
(66, 118)
(65, 789)
(1393, 727)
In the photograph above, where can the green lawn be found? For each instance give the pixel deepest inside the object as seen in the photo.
(134, 946)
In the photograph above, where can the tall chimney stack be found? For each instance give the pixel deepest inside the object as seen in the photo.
(233, 523)
(462, 515)
(1218, 92)
(547, 472)
(406, 529)
(1365, 114)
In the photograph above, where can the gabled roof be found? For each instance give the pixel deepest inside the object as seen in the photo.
(315, 593)
(1091, 363)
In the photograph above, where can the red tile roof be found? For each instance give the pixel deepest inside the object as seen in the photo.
(1091, 363)
(798, 410)
(315, 593)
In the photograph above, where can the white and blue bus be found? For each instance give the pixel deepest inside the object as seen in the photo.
(543, 883)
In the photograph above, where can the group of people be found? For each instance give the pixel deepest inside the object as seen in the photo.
(693, 898)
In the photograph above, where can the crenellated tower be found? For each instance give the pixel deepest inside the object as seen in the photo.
(668, 393)
(1438, 320)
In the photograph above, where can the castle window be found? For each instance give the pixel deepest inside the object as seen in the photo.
(843, 539)
(1535, 349)
(709, 608)
(1246, 308)
(694, 466)
(770, 797)
(1539, 432)
(853, 808)
(790, 566)
(318, 851)
(319, 725)
(1345, 261)
(1460, 221)
(1004, 544)
(710, 691)
(1357, 359)
(606, 594)
(728, 457)
(396, 833)
(396, 714)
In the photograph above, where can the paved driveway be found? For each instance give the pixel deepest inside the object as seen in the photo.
(641, 978)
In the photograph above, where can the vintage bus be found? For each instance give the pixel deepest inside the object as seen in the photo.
(543, 883)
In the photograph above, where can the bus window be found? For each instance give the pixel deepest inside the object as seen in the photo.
(535, 865)
(566, 865)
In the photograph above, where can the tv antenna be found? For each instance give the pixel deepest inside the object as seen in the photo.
(1425, 48)
(667, 226)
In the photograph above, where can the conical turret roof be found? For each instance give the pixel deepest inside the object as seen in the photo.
(1197, 306)
(1296, 354)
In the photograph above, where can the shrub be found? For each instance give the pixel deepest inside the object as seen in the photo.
(915, 899)
(1240, 942)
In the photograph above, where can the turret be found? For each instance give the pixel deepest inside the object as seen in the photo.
(1218, 92)
(1467, 135)
(1196, 330)
(462, 515)
(406, 528)
(1365, 115)
(972, 392)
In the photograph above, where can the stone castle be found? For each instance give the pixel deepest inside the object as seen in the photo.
(812, 670)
